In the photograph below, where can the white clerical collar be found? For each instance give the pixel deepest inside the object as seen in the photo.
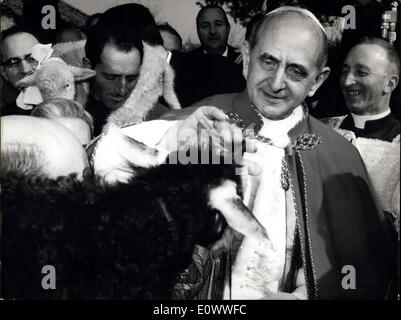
(360, 121)
(276, 130)
(225, 54)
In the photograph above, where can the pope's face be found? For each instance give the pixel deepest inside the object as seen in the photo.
(283, 66)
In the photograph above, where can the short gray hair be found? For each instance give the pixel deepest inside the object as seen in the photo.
(392, 54)
(60, 107)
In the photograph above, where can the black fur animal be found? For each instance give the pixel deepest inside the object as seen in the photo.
(127, 241)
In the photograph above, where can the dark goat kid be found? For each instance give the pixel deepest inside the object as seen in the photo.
(123, 241)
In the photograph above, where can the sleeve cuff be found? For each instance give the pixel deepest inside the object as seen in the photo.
(149, 132)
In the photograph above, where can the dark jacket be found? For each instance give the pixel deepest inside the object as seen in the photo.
(385, 129)
(201, 76)
(232, 54)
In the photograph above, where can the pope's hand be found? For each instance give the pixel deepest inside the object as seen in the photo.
(209, 127)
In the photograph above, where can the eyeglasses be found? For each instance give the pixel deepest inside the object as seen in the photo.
(15, 63)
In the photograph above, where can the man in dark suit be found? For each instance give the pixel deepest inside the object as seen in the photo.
(213, 31)
(201, 76)
(16, 63)
(212, 68)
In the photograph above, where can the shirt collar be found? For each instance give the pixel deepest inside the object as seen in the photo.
(277, 130)
(360, 121)
(225, 53)
(283, 126)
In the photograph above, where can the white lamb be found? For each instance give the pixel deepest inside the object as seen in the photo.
(156, 79)
(56, 79)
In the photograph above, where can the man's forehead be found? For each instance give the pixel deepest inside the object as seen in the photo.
(18, 45)
(276, 38)
(370, 55)
(294, 24)
(211, 14)
(119, 61)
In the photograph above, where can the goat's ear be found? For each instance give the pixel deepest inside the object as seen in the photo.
(27, 81)
(81, 74)
(86, 63)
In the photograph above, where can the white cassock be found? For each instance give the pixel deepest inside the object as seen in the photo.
(259, 269)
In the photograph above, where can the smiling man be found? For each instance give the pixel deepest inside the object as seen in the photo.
(279, 80)
(370, 74)
(213, 30)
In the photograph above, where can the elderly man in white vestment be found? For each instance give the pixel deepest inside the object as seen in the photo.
(311, 193)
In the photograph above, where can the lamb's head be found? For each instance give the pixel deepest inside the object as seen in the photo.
(56, 79)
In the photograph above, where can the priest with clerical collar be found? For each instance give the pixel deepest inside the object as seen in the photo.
(370, 74)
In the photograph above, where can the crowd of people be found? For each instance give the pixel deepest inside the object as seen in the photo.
(317, 196)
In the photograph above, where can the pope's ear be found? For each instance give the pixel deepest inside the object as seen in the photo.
(392, 84)
(321, 77)
(246, 52)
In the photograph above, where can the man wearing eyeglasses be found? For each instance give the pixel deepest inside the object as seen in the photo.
(16, 63)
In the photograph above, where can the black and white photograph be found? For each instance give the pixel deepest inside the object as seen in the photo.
(200, 154)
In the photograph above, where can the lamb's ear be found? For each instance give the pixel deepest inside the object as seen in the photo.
(81, 74)
(27, 81)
